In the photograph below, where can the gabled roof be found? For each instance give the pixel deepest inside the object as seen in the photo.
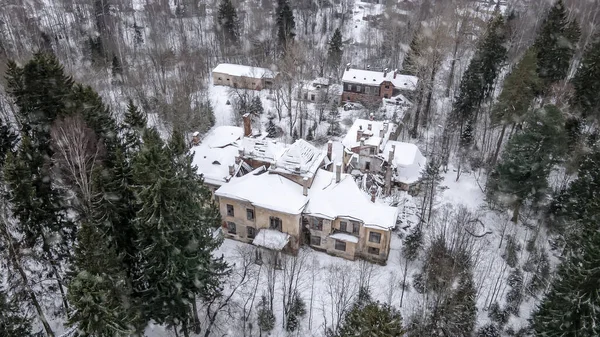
(345, 199)
(216, 153)
(408, 160)
(372, 137)
(300, 158)
(267, 190)
(241, 70)
(266, 150)
(375, 78)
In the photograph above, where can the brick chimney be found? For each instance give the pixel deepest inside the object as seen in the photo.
(395, 73)
(388, 178)
(362, 141)
(247, 125)
(329, 150)
(385, 72)
(359, 133)
(238, 160)
(391, 155)
(369, 126)
(373, 193)
(338, 172)
(348, 66)
(371, 116)
(305, 186)
(382, 132)
(231, 170)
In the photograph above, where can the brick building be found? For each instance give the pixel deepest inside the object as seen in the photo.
(368, 86)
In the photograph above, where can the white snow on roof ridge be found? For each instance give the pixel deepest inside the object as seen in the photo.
(376, 78)
(345, 199)
(243, 70)
(262, 149)
(266, 190)
(271, 239)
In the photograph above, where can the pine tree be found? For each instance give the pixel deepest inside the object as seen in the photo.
(334, 121)
(520, 88)
(478, 80)
(371, 320)
(256, 107)
(570, 308)
(528, 158)
(410, 64)
(133, 125)
(270, 127)
(286, 24)
(99, 289)
(297, 310)
(489, 330)
(514, 297)
(13, 322)
(173, 224)
(8, 141)
(555, 45)
(586, 82)
(266, 318)
(228, 22)
(177, 146)
(310, 136)
(335, 52)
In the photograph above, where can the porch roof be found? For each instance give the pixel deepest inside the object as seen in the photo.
(271, 239)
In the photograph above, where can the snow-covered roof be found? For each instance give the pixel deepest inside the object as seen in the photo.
(328, 199)
(370, 77)
(408, 160)
(241, 70)
(265, 150)
(344, 237)
(372, 137)
(266, 190)
(216, 153)
(300, 158)
(271, 239)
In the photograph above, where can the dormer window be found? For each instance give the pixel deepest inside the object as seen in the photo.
(216, 162)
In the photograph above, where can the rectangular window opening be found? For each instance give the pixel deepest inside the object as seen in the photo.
(315, 240)
(230, 211)
(375, 237)
(231, 228)
(340, 245)
(250, 214)
(373, 250)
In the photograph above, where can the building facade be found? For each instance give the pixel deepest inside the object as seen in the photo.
(368, 86)
(243, 77)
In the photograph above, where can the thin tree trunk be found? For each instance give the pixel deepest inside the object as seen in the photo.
(184, 327)
(429, 97)
(498, 145)
(403, 282)
(196, 325)
(515, 217)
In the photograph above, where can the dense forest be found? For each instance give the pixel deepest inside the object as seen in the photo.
(107, 229)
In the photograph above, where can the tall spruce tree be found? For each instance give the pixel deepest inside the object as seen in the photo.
(570, 309)
(410, 64)
(478, 80)
(586, 83)
(228, 22)
(133, 125)
(555, 45)
(334, 51)
(173, 225)
(100, 290)
(519, 90)
(522, 173)
(13, 322)
(286, 24)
